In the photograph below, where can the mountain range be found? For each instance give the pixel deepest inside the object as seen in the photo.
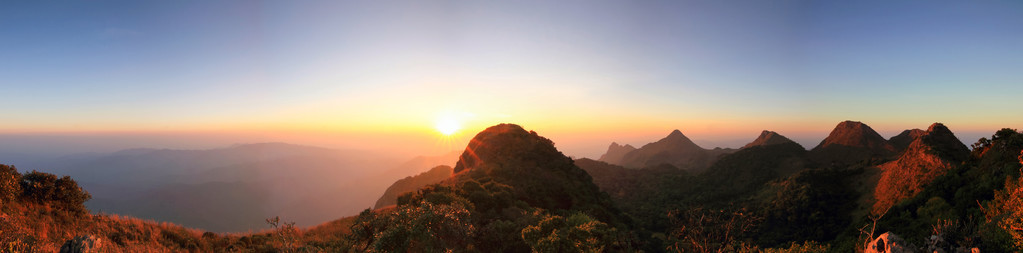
(512, 190)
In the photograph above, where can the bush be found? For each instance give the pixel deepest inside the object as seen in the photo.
(9, 186)
(63, 193)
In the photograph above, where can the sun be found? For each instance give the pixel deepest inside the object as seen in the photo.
(447, 125)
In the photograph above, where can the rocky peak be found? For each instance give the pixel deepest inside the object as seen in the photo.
(768, 138)
(615, 152)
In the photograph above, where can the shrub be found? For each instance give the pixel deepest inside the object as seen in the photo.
(9, 186)
(63, 193)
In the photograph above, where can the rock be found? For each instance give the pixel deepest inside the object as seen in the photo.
(82, 244)
(888, 243)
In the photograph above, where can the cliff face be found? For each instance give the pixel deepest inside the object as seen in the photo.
(929, 156)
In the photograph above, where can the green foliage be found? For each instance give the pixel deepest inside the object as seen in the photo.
(423, 226)
(935, 210)
(806, 247)
(9, 183)
(63, 193)
(813, 204)
(1006, 209)
(577, 233)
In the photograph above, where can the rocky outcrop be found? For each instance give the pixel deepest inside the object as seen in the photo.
(888, 243)
(850, 142)
(82, 244)
(615, 153)
(928, 157)
(768, 138)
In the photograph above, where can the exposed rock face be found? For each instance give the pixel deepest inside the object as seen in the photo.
(615, 153)
(82, 244)
(852, 141)
(768, 138)
(675, 149)
(413, 183)
(901, 142)
(888, 243)
(929, 156)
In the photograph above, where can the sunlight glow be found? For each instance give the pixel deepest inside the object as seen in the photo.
(447, 125)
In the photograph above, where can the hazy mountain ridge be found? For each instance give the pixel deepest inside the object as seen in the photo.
(514, 191)
(616, 152)
(413, 183)
(675, 149)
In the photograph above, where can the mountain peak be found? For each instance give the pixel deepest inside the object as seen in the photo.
(615, 152)
(768, 138)
(855, 134)
(929, 156)
(902, 141)
(852, 141)
(504, 143)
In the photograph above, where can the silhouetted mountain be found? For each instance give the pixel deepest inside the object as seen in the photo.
(413, 183)
(929, 156)
(901, 142)
(675, 149)
(540, 174)
(768, 138)
(851, 141)
(616, 152)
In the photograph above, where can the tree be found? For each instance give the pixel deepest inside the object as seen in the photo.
(63, 193)
(1007, 208)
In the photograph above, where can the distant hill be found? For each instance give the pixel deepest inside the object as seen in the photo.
(928, 157)
(233, 189)
(413, 183)
(768, 138)
(849, 142)
(901, 141)
(677, 150)
(616, 152)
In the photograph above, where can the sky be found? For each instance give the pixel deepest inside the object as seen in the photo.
(107, 75)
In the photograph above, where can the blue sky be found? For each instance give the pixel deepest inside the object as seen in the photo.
(573, 69)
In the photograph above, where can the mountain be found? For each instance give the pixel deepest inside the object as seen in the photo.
(901, 142)
(768, 138)
(540, 174)
(413, 183)
(850, 142)
(675, 149)
(928, 157)
(616, 152)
